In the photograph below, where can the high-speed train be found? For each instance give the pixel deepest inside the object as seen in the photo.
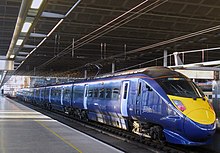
(155, 101)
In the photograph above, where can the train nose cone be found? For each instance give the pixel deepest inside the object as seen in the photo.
(202, 116)
(199, 125)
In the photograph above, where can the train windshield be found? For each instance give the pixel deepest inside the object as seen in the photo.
(180, 87)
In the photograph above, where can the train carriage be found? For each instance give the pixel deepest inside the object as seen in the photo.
(156, 102)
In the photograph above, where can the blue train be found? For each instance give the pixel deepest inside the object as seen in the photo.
(155, 101)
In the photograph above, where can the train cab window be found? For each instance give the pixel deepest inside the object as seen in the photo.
(96, 93)
(101, 93)
(108, 93)
(90, 93)
(115, 93)
(182, 87)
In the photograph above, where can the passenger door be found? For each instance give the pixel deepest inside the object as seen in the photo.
(139, 98)
(124, 98)
(85, 96)
(144, 98)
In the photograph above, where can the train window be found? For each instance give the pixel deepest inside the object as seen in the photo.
(115, 93)
(108, 93)
(42, 92)
(101, 93)
(148, 88)
(96, 93)
(139, 89)
(78, 91)
(125, 91)
(52, 92)
(86, 89)
(90, 94)
(66, 93)
(46, 93)
(180, 87)
(58, 92)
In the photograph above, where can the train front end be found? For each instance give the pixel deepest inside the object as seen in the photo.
(198, 116)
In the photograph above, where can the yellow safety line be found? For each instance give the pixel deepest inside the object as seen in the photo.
(63, 139)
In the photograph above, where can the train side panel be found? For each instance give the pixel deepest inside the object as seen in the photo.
(103, 102)
(47, 95)
(78, 96)
(56, 98)
(67, 97)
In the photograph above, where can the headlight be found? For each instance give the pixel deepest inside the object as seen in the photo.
(180, 105)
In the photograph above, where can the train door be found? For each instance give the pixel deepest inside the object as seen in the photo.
(61, 96)
(139, 98)
(85, 96)
(124, 98)
(144, 97)
(49, 96)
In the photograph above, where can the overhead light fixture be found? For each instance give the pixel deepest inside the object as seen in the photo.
(36, 4)
(26, 27)
(12, 56)
(19, 41)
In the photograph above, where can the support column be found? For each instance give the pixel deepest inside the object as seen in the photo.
(85, 74)
(165, 58)
(113, 67)
(177, 59)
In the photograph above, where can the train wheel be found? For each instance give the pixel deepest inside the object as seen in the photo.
(83, 115)
(156, 133)
(49, 106)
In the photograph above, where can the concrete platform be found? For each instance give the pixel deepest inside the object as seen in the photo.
(23, 130)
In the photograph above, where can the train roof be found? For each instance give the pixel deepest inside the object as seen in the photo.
(152, 72)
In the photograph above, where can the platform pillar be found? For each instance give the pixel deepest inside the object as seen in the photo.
(113, 67)
(165, 58)
(85, 74)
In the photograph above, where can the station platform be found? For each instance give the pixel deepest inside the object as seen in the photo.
(23, 130)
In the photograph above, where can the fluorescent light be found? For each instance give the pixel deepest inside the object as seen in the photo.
(19, 41)
(26, 27)
(36, 4)
(12, 56)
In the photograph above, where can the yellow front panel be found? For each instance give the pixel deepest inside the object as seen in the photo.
(197, 110)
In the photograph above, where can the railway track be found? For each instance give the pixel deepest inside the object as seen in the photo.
(125, 136)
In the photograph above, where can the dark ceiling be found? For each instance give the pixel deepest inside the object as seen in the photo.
(124, 32)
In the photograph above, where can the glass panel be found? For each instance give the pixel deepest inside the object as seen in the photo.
(125, 91)
(180, 87)
(90, 93)
(108, 93)
(101, 93)
(95, 92)
(115, 93)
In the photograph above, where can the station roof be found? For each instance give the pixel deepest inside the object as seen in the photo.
(97, 33)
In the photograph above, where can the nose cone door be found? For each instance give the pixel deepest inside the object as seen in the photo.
(202, 116)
